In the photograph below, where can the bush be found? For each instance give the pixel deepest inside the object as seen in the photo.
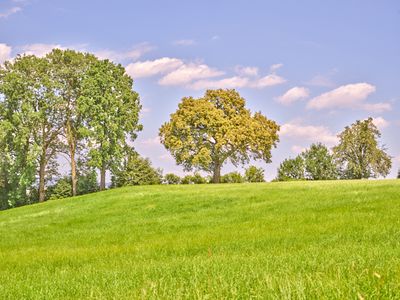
(196, 178)
(254, 174)
(232, 177)
(171, 178)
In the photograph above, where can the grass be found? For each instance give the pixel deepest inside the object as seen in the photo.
(314, 240)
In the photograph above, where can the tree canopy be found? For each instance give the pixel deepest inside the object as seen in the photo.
(207, 132)
(359, 154)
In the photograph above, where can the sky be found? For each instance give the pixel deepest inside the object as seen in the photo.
(312, 66)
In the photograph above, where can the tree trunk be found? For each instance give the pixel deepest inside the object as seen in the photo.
(103, 178)
(216, 173)
(42, 174)
(72, 150)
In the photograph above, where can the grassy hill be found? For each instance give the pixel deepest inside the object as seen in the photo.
(274, 240)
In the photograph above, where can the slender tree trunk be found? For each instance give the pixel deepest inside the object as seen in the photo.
(42, 174)
(72, 151)
(103, 178)
(217, 173)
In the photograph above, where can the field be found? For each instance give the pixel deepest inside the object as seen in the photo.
(314, 240)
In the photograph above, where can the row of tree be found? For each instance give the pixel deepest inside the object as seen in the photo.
(66, 103)
(357, 156)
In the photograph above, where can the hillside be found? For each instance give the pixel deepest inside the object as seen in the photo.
(274, 240)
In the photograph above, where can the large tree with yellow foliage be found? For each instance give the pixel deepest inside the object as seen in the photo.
(207, 132)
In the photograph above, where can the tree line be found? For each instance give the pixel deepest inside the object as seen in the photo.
(74, 105)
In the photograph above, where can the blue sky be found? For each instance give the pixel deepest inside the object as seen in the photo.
(312, 66)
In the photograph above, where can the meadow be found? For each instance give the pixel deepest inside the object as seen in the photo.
(290, 240)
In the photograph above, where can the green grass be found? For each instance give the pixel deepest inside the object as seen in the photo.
(314, 240)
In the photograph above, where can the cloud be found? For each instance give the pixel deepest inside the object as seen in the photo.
(266, 81)
(380, 122)
(310, 133)
(246, 71)
(5, 52)
(275, 67)
(153, 67)
(39, 49)
(133, 54)
(186, 73)
(293, 95)
(321, 80)
(226, 83)
(377, 107)
(215, 37)
(5, 14)
(296, 149)
(184, 42)
(346, 96)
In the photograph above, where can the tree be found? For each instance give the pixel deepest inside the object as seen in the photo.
(398, 174)
(69, 68)
(359, 154)
(111, 111)
(196, 178)
(61, 189)
(291, 169)
(136, 170)
(33, 115)
(254, 174)
(171, 178)
(205, 133)
(319, 164)
(232, 177)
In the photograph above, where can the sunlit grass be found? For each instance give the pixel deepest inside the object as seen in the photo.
(313, 240)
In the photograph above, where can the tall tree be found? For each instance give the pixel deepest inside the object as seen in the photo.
(359, 153)
(319, 164)
(69, 69)
(111, 111)
(205, 133)
(33, 114)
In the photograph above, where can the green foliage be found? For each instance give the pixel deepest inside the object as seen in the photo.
(359, 154)
(319, 164)
(196, 178)
(398, 174)
(61, 189)
(232, 177)
(171, 178)
(254, 174)
(87, 182)
(205, 133)
(111, 110)
(291, 169)
(286, 240)
(136, 170)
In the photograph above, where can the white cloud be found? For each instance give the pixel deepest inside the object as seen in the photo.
(5, 52)
(153, 67)
(321, 80)
(133, 54)
(266, 81)
(275, 67)
(380, 122)
(296, 149)
(184, 42)
(9, 12)
(310, 133)
(186, 73)
(246, 71)
(377, 107)
(293, 95)
(346, 96)
(39, 49)
(215, 37)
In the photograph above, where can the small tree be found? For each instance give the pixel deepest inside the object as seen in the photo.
(254, 174)
(359, 154)
(61, 189)
(398, 174)
(291, 169)
(319, 163)
(196, 178)
(205, 133)
(171, 178)
(232, 177)
(136, 170)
